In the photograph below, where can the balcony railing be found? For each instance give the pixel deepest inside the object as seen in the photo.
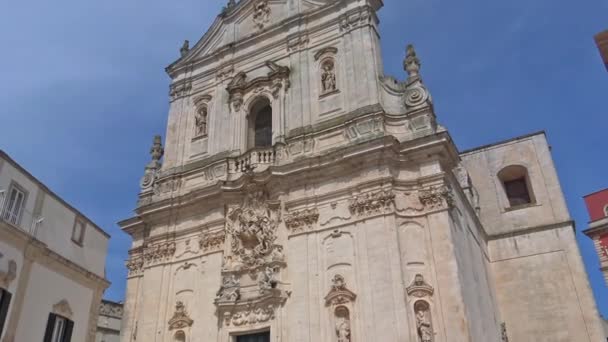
(253, 159)
(22, 219)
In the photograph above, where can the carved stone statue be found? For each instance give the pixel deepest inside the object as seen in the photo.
(343, 330)
(185, 48)
(201, 122)
(423, 322)
(328, 77)
(230, 290)
(268, 279)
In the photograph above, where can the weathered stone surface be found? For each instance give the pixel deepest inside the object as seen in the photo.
(360, 221)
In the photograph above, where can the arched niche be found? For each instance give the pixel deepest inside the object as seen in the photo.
(179, 336)
(259, 128)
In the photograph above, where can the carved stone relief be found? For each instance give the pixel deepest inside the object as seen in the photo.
(420, 288)
(151, 171)
(276, 80)
(180, 319)
(160, 252)
(301, 220)
(111, 310)
(261, 14)
(372, 203)
(212, 241)
(328, 77)
(252, 231)
(339, 293)
(230, 290)
(251, 316)
(436, 197)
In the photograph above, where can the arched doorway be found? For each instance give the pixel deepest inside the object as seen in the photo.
(260, 124)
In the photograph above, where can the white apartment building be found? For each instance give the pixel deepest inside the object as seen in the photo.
(52, 263)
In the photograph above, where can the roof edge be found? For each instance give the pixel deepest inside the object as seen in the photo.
(45, 188)
(503, 142)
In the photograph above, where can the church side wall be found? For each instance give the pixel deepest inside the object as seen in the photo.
(542, 287)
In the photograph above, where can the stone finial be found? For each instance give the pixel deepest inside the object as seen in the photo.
(185, 48)
(411, 64)
(157, 152)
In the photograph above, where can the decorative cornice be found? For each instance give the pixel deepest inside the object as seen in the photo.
(159, 252)
(339, 293)
(420, 288)
(180, 319)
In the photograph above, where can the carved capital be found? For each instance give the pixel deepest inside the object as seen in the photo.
(372, 203)
(436, 197)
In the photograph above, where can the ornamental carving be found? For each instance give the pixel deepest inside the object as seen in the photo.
(135, 264)
(372, 203)
(110, 309)
(436, 197)
(420, 288)
(251, 316)
(300, 220)
(180, 319)
(339, 293)
(230, 290)
(503, 332)
(151, 171)
(159, 252)
(212, 241)
(166, 186)
(252, 231)
(276, 80)
(261, 13)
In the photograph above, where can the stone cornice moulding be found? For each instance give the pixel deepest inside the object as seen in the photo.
(379, 145)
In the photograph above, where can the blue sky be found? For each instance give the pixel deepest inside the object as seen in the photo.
(83, 90)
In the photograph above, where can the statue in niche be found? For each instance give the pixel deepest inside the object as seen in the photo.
(423, 321)
(201, 122)
(343, 324)
(328, 77)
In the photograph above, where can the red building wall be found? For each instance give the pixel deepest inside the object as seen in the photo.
(596, 204)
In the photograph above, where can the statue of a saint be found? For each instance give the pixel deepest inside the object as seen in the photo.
(343, 330)
(328, 78)
(425, 331)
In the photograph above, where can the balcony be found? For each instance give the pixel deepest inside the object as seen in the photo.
(21, 219)
(257, 159)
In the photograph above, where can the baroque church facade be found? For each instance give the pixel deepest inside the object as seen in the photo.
(303, 195)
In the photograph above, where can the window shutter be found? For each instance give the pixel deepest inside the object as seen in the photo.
(5, 301)
(50, 325)
(67, 334)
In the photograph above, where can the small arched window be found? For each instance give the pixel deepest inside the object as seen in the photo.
(517, 186)
(260, 124)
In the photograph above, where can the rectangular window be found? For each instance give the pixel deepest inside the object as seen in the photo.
(259, 337)
(58, 329)
(517, 192)
(14, 204)
(78, 231)
(5, 301)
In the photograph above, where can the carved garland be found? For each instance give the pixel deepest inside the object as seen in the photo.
(367, 204)
(212, 241)
(159, 252)
(436, 197)
(299, 220)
